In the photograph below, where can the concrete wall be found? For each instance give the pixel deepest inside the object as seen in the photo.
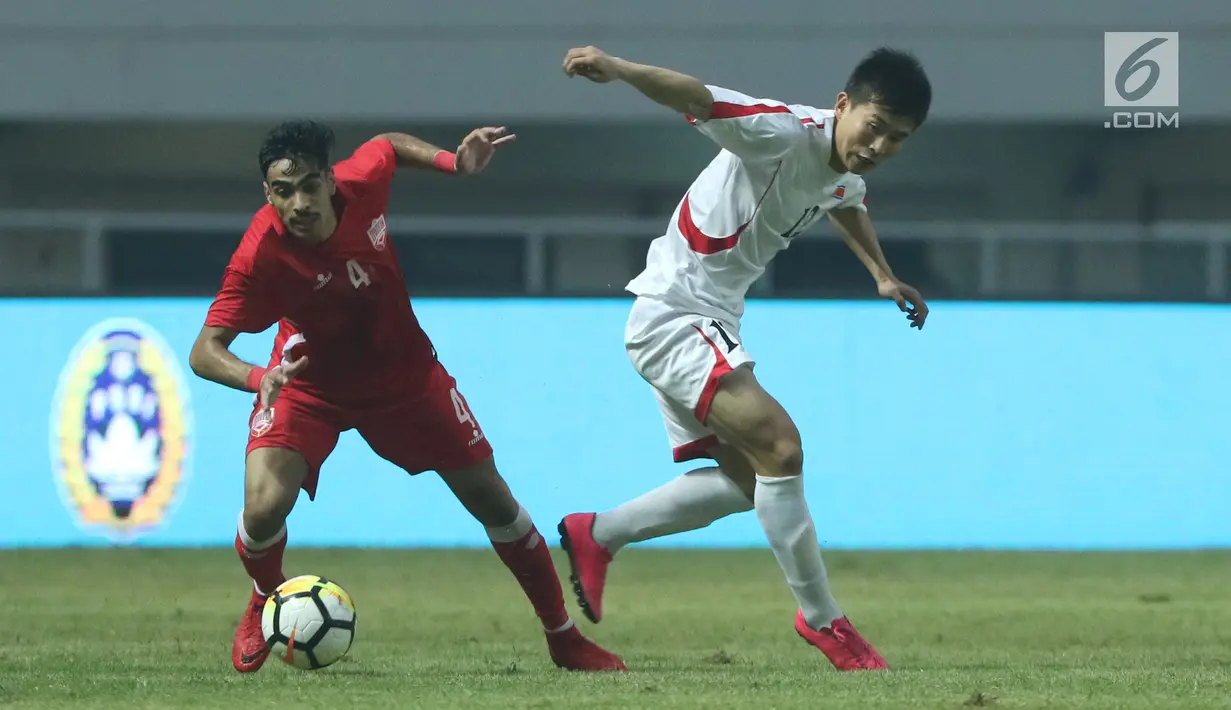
(464, 59)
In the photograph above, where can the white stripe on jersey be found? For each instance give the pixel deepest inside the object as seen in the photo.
(768, 184)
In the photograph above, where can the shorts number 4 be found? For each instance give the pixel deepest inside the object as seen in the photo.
(463, 414)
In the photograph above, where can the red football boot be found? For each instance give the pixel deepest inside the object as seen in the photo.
(572, 651)
(842, 645)
(248, 652)
(588, 562)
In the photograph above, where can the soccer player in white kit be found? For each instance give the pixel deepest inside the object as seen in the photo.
(780, 168)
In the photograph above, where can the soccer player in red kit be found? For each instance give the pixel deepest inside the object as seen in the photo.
(350, 354)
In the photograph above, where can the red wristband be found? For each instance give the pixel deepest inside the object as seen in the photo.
(445, 162)
(253, 383)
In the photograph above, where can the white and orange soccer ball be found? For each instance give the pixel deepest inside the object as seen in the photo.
(309, 622)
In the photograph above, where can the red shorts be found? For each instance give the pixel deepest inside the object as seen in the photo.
(434, 432)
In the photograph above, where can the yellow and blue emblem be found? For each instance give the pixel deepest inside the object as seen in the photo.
(121, 425)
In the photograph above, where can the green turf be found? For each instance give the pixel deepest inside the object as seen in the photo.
(450, 629)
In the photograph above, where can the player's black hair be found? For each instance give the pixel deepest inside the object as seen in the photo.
(297, 140)
(895, 80)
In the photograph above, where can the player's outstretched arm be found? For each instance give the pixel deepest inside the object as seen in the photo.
(677, 91)
(211, 359)
(757, 130)
(473, 154)
(857, 231)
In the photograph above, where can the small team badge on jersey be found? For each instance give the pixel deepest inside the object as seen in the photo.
(262, 421)
(378, 233)
(840, 192)
(120, 430)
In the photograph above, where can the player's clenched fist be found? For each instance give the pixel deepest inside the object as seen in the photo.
(593, 64)
(276, 378)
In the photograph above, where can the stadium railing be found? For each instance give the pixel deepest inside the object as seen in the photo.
(87, 232)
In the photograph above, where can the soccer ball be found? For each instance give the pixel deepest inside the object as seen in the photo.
(309, 622)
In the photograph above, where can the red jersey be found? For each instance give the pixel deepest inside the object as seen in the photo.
(342, 302)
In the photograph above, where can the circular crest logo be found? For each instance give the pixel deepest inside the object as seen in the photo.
(120, 430)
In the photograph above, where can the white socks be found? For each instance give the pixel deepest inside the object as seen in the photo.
(690, 502)
(700, 497)
(783, 511)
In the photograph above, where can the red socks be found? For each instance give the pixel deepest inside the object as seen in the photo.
(527, 556)
(262, 560)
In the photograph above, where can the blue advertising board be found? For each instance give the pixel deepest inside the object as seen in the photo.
(1072, 426)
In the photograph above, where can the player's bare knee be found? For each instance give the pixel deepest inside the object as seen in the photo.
(776, 450)
(756, 424)
(266, 509)
(771, 443)
(784, 458)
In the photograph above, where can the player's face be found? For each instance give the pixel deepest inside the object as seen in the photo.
(867, 135)
(302, 193)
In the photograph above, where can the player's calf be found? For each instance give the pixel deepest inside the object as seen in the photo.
(737, 468)
(484, 493)
(756, 424)
(271, 484)
(689, 502)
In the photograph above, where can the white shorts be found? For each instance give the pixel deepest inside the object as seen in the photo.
(683, 355)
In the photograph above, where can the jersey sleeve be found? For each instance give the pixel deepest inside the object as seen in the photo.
(372, 164)
(243, 304)
(756, 130)
(856, 197)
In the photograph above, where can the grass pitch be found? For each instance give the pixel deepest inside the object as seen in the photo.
(700, 629)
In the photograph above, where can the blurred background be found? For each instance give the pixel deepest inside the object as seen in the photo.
(129, 131)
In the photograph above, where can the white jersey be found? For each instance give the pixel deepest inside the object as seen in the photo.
(768, 184)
